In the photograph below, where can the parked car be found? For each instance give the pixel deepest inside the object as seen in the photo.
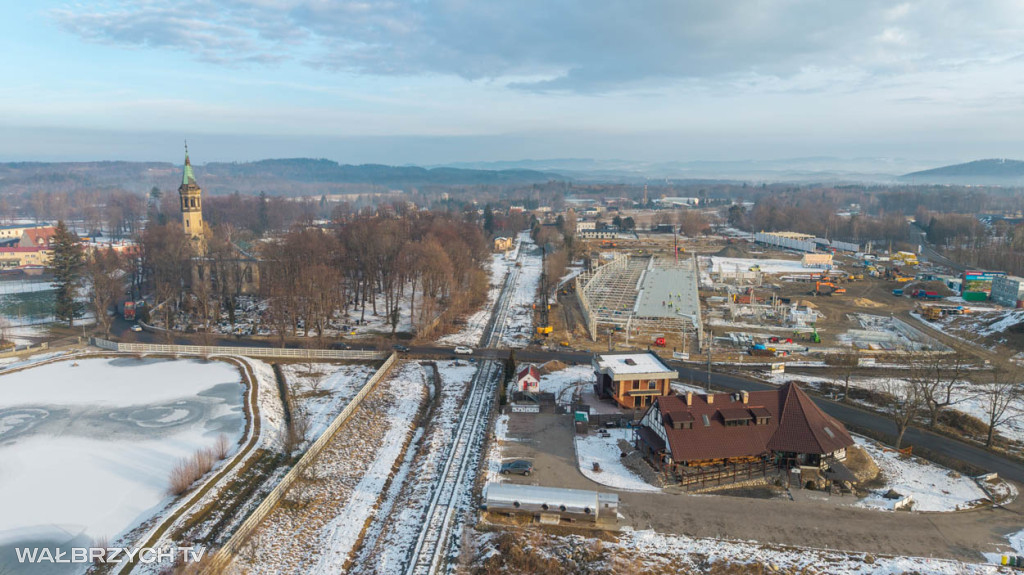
(464, 350)
(519, 466)
(136, 327)
(400, 348)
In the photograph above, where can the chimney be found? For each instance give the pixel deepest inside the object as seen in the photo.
(746, 397)
(710, 398)
(689, 398)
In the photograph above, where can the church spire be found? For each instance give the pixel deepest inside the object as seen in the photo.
(188, 178)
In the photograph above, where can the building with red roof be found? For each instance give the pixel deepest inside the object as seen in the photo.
(779, 426)
(528, 379)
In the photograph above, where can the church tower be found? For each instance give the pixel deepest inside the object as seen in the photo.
(192, 207)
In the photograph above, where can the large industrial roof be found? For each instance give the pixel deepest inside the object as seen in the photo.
(668, 292)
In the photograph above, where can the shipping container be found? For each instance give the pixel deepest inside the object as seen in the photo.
(974, 296)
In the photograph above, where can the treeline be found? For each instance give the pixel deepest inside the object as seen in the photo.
(973, 243)
(820, 215)
(373, 264)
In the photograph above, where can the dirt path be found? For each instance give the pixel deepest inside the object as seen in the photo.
(821, 524)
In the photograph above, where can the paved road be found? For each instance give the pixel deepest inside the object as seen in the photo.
(844, 413)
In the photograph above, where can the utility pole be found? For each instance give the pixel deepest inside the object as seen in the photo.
(710, 339)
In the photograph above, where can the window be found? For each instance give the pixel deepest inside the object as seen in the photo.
(653, 384)
(707, 422)
(829, 432)
(636, 385)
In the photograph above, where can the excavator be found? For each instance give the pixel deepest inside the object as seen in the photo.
(833, 289)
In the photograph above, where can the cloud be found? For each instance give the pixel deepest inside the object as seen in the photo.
(572, 45)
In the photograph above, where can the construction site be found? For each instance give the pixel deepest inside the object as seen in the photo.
(740, 300)
(645, 300)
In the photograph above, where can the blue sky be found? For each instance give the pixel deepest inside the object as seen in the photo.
(472, 80)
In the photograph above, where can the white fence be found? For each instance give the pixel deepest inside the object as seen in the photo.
(208, 350)
(225, 554)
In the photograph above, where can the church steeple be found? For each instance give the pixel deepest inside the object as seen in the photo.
(192, 206)
(188, 178)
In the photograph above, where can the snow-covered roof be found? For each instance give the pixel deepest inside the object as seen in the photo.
(620, 365)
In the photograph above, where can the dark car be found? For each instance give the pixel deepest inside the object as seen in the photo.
(401, 348)
(519, 466)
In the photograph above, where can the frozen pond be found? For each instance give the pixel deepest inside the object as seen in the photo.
(86, 446)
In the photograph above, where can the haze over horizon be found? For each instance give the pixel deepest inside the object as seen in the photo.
(445, 82)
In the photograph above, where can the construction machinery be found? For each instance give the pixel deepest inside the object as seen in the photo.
(831, 288)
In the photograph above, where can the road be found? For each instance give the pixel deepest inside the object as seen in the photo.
(931, 254)
(847, 414)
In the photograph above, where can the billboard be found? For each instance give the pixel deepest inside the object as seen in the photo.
(978, 281)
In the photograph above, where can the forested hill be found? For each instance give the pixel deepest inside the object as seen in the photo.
(979, 172)
(299, 176)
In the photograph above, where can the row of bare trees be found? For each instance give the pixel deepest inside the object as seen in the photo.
(922, 389)
(313, 276)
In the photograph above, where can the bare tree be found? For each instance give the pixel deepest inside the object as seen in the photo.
(105, 278)
(904, 405)
(844, 365)
(1000, 391)
(937, 379)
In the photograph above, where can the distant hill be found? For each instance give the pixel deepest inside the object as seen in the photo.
(999, 172)
(297, 176)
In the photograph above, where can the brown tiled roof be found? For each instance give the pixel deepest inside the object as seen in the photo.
(40, 236)
(795, 424)
(804, 428)
(734, 414)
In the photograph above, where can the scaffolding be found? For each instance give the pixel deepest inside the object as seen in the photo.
(641, 295)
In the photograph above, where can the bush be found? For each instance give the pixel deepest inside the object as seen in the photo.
(183, 475)
(222, 447)
(189, 470)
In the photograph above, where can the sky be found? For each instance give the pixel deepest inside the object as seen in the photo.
(439, 81)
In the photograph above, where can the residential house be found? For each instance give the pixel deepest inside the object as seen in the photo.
(528, 379)
(633, 380)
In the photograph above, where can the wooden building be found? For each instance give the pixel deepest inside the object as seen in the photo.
(692, 437)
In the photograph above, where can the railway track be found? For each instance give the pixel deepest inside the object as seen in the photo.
(453, 490)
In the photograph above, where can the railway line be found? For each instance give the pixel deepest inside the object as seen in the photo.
(452, 492)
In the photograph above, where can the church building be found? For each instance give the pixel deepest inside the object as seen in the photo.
(238, 274)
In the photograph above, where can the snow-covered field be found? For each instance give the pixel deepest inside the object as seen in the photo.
(518, 329)
(933, 488)
(604, 451)
(564, 382)
(723, 264)
(340, 535)
(324, 389)
(1016, 547)
(323, 515)
(87, 445)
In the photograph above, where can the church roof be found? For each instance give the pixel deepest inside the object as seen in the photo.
(188, 178)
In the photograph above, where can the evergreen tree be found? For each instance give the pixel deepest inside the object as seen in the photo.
(488, 220)
(66, 268)
(264, 215)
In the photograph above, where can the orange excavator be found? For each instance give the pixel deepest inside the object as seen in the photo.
(832, 289)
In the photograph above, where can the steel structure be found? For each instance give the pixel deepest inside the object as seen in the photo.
(641, 294)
